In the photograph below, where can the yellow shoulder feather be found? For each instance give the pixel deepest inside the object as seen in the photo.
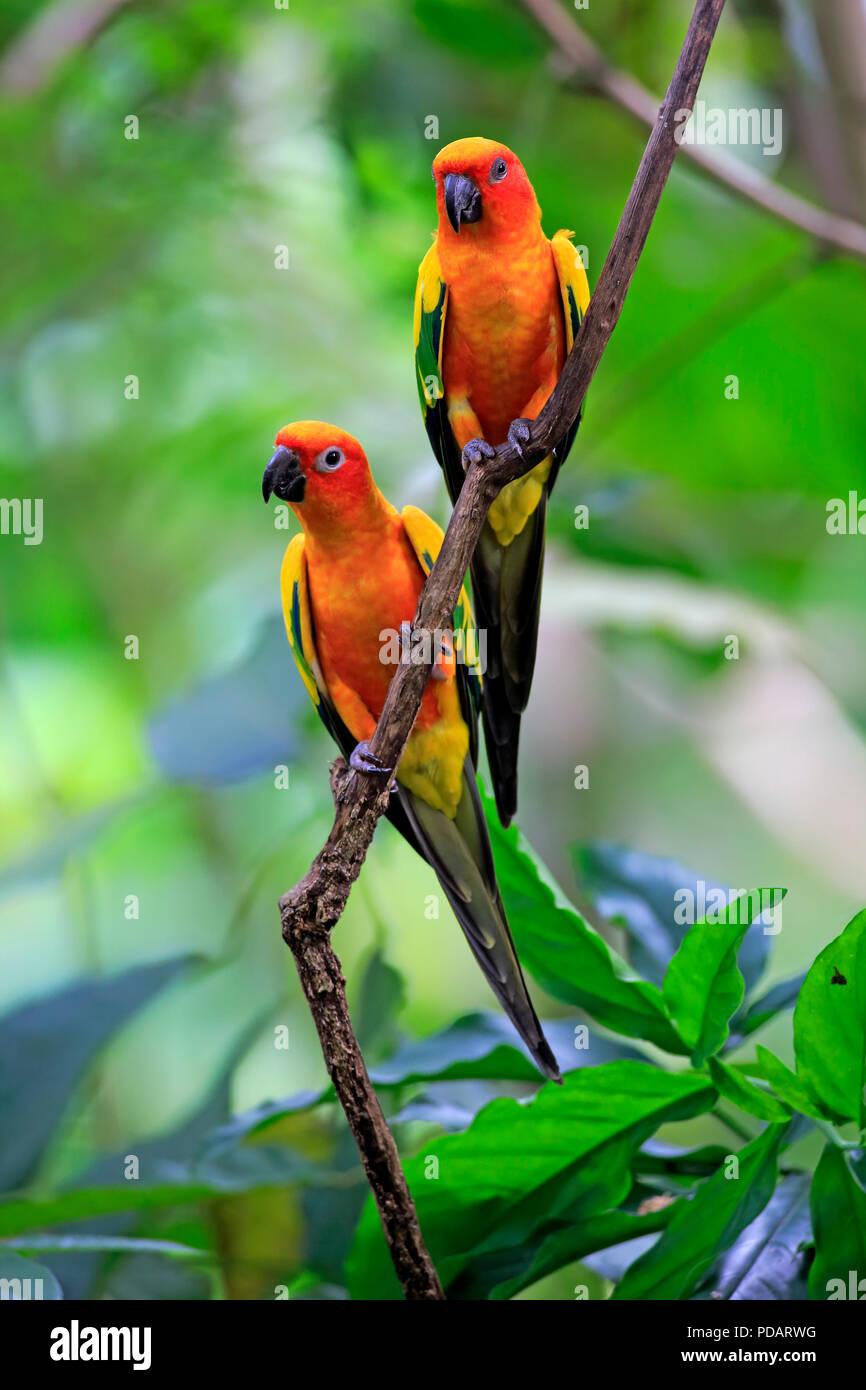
(297, 617)
(572, 276)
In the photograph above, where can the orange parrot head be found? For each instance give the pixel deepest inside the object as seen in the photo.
(321, 471)
(482, 185)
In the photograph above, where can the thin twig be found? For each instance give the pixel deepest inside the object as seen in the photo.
(580, 59)
(314, 906)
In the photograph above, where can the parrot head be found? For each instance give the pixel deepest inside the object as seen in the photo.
(321, 471)
(483, 182)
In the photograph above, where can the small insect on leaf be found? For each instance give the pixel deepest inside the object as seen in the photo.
(838, 978)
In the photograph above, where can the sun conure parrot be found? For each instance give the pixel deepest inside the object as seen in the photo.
(354, 574)
(497, 308)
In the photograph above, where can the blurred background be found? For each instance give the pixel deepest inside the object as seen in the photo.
(243, 253)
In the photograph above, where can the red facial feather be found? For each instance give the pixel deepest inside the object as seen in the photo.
(507, 205)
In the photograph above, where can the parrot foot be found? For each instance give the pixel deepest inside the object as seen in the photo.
(476, 451)
(519, 434)
(362, 760)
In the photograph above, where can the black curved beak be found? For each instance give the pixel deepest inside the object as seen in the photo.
(462, 200)
(283, 476)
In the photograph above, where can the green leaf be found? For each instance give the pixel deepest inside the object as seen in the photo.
(20, 1215)
(742, 1092)
(29, 1274)
(839, 1224)
(477, 1047)
(382, 996)
(139, 1245)
(650, 896)
(45, 1047)
(565, 1156)
(503, 1273)
(707, 1225)
(830, 1026)
(215, 1175)
(761, 1010)
(769, 1260)
(567, 957)
(786, 1083)
(703, 986)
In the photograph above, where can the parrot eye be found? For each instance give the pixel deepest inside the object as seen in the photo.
(329, 460)
(498, 170)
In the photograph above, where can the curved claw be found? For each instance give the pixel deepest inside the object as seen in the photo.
(476, 451)
(519, 434)
(362, 760)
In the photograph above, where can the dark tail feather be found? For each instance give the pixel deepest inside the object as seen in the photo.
(501, 738)
(506, 589)
(459, 852)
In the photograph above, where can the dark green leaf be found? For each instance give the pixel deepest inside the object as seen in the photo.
(655, 900)
(760, 1011)
(769, 1261)
(839, 1224)
(501, 1274)
(565, 1156)
(707, 1225)
(382, 996)
(567, 957)
(44, 1049)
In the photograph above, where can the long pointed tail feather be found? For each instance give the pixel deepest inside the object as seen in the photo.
(459, 853)
(506, 590)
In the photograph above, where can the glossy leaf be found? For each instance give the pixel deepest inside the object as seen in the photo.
(771, 1258)
(839, 1223)
(567, 957)
(786, 1083)
(703, 986)
(655, 899)
(707, 1225)
(564, 1156)
(737, 1088)
(830, 1026)
(502, 1274)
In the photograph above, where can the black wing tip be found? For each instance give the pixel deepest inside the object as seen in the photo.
(545, 1061)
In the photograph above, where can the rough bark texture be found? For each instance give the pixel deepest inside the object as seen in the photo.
(313, 907)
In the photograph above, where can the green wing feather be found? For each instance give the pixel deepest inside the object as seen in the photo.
(574, 289)
(431, 307)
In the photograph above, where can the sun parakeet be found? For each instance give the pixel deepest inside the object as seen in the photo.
(497, 307)
(349, 583)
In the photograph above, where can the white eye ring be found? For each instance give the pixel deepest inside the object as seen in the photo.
(329, 460)
(498, 170)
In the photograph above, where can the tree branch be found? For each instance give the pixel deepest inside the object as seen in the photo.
(579, 56)
(314, 906)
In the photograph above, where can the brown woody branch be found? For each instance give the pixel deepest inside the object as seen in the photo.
(579, 59)
(314, 906)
